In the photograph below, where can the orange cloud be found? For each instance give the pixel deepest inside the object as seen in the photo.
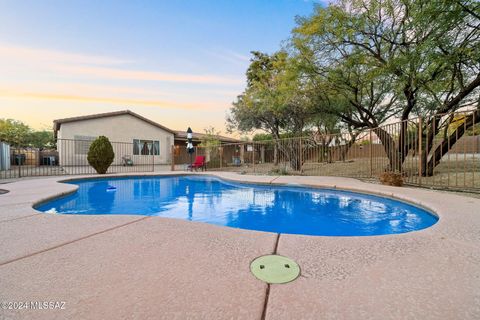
(112, 73)
(29, 54)
(67, 64)
(110, 100)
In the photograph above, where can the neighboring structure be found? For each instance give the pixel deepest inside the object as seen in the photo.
(181, 138)
(4, 156)
(132, 135)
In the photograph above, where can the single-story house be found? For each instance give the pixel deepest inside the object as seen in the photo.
(143, 140)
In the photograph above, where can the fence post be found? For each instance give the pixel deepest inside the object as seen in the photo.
(300, 156)
(172, 159)
(253, 156)
(370, 146)
(19, 163)
(221, 156)
(420, 151)
(242, 152)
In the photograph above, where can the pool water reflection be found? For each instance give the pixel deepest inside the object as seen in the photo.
(280, 209)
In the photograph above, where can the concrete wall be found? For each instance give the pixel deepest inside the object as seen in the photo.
(120, 130)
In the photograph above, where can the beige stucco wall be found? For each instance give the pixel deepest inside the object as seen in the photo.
(121, 130)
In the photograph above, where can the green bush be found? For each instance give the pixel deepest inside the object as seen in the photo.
(100, 154)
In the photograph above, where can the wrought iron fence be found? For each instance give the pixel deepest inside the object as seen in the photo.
(439, 152)
(69, 157)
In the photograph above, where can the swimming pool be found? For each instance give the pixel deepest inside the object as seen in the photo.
(281, 209)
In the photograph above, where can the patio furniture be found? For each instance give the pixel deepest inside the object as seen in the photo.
(199, 163)
(127, 161)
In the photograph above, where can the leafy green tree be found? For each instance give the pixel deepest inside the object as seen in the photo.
(377, 60)
(364, 63)
(258, 107)
(41, 139)
(100, 154)
(262, 137)
(210, 138)
(276, 101)
(14, 132)
(212, 144)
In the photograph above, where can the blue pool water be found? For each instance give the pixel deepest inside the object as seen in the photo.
(280, 209)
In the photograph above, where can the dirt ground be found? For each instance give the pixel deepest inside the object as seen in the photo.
(457, 173)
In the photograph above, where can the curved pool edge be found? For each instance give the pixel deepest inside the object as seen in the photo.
(357, 227)
(58, 186)
(54, 197)
(343, 188)
(248, 181)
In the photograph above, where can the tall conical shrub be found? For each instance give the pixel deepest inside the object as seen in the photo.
(100, 154)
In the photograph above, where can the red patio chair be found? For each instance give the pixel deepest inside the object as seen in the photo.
(199, 163)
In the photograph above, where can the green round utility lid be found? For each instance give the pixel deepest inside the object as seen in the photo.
(275, 269)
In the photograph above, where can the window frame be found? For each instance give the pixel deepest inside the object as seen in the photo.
(146, 147)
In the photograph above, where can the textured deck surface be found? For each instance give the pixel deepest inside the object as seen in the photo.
(136, 267)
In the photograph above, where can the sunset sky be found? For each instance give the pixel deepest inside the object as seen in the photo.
(180, 63)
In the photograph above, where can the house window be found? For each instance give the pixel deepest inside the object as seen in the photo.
(82, 144)
(146, 147)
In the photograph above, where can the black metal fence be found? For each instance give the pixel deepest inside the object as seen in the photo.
(441, 152)
(70, 158)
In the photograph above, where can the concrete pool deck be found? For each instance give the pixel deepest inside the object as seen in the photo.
(137, 267)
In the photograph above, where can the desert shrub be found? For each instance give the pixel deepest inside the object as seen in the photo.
(391, 179)
(279, 171)
(100, 154)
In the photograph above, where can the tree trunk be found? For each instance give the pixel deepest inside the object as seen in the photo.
(290, 149)
(295, 157)
(275, 153)
(322, 152)
(346, 147)
(448, 143)
(403, 147)
(431, 130)
(389, 145)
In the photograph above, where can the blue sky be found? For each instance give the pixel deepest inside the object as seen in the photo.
(168, 60)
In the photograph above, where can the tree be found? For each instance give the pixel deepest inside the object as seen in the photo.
(378, 60)
(14, 132)
(259, 106)
(100, 154)
(17, 133)
(212, 144)
(276, 100)
(41, 139)
(262, 137)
